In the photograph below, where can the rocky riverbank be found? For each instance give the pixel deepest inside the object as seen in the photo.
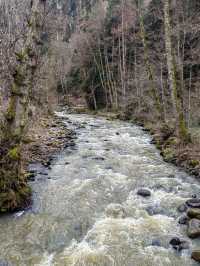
(44, 140)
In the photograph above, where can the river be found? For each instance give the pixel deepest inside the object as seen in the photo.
(86, 211)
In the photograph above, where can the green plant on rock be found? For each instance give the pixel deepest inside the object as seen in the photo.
(14, 153)
(168, 154)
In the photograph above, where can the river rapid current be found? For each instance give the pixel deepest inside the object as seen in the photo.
(87, 211)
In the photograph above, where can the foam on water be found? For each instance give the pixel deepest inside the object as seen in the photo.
(88, 213)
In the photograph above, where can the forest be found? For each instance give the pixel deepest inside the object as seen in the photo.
(133, 61)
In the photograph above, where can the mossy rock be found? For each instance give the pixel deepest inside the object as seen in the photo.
(193, 163)
(15, 153)
(168, 154)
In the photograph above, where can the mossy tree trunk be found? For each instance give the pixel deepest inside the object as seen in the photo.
(153, 90)
(176, 99)
(14, 191)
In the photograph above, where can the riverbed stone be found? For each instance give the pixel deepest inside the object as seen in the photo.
(144, 192)
(183, 219)
(179, 244)
(193, 203)
(194, 228)
(194, 213)
(196, 255)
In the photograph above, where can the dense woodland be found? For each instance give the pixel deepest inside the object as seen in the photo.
(139, 59)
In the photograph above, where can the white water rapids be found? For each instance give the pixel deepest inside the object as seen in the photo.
(86, 212)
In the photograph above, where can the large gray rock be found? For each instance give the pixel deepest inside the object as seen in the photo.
(194, 228)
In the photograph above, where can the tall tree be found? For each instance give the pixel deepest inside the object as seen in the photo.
(14, 191)
(173, 84)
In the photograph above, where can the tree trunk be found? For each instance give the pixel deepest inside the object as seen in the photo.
(176, 101)
(14, 191)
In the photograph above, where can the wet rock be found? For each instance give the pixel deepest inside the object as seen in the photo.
(175, 241)
(194, 213)
(183, 219)
(144, 192)
(153, 141)
(194, 196)
(196, 255)
(193, 203)
(43, 173)
(47, 163)
(31, 176)
(179, 244)
(171, 176)
(182, 208)
(194, 228)
(99, 158)
(115, 211)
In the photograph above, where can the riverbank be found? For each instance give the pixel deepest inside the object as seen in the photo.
(45, 139)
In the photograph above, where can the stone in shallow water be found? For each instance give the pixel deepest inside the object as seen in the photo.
(179, 244)
(183, 219)
(144, 192)
(194, 213)
(196, 255)
(99, 158)
(194, 203)
(194, 228)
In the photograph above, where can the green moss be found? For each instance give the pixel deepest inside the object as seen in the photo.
(15, 89)
(168, 154)
(10, 114)
(194, 163)
(21, 56)
(19, 76)
(14, 153)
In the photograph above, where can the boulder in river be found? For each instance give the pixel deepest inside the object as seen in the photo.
(144, 192)
(194, 213)
(196, 255)
(179, 244)
(194, 228)
(193, 203)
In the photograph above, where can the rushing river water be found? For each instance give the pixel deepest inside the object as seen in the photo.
(86, 212)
